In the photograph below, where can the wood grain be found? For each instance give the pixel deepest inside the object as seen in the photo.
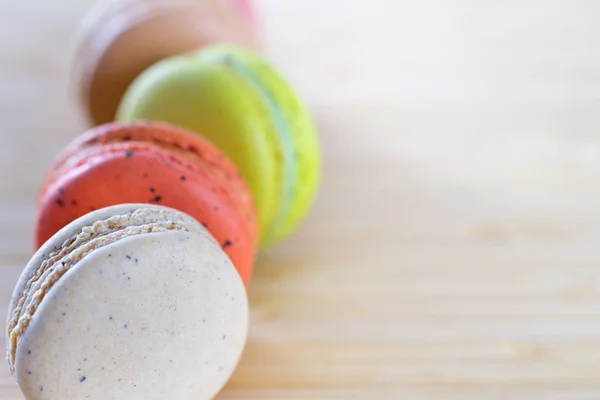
(453, 250)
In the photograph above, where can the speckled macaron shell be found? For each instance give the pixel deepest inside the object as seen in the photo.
(91, 226)
(248, 110)
(151, 163)
(157, 315)
(118, 39)
(59, 238)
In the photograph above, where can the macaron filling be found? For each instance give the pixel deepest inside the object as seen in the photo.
(90, 238)
(284, 133)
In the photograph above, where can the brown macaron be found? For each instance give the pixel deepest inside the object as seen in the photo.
(119, 39)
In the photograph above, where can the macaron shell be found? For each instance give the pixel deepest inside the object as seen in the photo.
(57, 240)
(202, 155)
(121, 39)
(305, 141)
(138, 172)
(55, 264)
(161, 315)
(214, 100)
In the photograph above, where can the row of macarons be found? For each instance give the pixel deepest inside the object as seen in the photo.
(148, 223)
(214, 131)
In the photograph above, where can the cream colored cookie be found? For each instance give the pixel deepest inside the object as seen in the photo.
(129, 302)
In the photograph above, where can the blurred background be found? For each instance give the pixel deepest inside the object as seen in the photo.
(453, 250)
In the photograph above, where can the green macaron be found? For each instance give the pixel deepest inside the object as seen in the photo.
(235, 98)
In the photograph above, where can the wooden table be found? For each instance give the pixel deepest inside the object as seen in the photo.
(454, 251)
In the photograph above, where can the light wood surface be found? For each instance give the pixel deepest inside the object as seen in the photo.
(454, 251)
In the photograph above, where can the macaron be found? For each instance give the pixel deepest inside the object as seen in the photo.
(118, 39)
(129, 302)
(238, 100)
(153, 163)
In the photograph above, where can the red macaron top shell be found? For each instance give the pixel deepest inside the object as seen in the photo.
(151, 163)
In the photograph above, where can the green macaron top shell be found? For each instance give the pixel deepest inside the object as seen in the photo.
(243, 105)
